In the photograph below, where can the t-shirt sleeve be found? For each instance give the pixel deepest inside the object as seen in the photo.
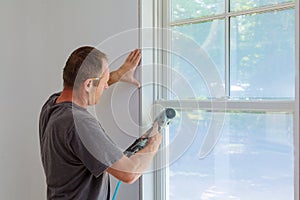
(93, 147)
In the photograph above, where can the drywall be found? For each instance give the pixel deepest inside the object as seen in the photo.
(36, 38)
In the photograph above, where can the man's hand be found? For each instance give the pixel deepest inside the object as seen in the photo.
(128, 68)
(155, 139)
(126, 72)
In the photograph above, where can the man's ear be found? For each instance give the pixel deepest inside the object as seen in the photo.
(87, 85)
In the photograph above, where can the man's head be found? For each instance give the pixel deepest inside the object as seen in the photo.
(86, 73)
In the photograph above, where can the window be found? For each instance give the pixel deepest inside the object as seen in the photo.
(228, 67)
(253, 158)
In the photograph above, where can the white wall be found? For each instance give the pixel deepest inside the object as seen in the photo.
(36, 38)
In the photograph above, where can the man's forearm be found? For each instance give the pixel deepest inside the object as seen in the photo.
(143, 158)
(140, 161)
(129, 169)
(114, 77)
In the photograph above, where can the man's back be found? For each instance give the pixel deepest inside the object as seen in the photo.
(74, 167)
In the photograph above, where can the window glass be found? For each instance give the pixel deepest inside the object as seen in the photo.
(262, 55)
(239, 5)
(199, 56)
(252, 159)
(186, 9)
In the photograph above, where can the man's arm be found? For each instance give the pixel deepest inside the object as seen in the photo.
(128, 170)
(126, 71)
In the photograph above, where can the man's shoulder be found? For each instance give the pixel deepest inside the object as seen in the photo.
(52, 98)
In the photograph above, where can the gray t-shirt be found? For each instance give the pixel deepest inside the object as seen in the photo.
(75, 152)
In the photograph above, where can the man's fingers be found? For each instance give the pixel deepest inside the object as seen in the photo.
(137, 58)
(155, 135)
(155, 128)
(134, 56)
(130, 56)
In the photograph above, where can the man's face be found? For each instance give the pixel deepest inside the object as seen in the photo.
(102, 82)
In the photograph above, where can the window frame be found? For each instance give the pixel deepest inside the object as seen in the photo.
(157, 14)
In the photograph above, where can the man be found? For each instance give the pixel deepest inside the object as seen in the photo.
(77, 154)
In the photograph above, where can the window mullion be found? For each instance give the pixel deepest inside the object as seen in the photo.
(230, 105)
(297, 102)
(227, 49)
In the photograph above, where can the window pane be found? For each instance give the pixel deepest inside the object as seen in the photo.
(238, 5)
(262, 55)
(195, 8)
(199, 57)
(253, 159)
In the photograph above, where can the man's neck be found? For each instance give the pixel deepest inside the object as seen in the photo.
(68, 95)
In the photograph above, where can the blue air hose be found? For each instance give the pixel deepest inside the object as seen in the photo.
(116, 190)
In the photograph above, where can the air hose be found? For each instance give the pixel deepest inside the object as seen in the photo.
(116, 190)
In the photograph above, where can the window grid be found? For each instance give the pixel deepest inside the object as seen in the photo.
(227, 15)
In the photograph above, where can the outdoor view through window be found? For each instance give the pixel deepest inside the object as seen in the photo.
(251, 45)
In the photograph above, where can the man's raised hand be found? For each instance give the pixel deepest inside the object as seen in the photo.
(127, 70)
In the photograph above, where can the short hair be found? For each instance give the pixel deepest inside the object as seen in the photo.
(84, 63)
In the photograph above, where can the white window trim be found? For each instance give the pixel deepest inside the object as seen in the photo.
(297, 98)
(151, 15)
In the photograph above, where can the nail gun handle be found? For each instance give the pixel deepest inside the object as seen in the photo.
(139, 144)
